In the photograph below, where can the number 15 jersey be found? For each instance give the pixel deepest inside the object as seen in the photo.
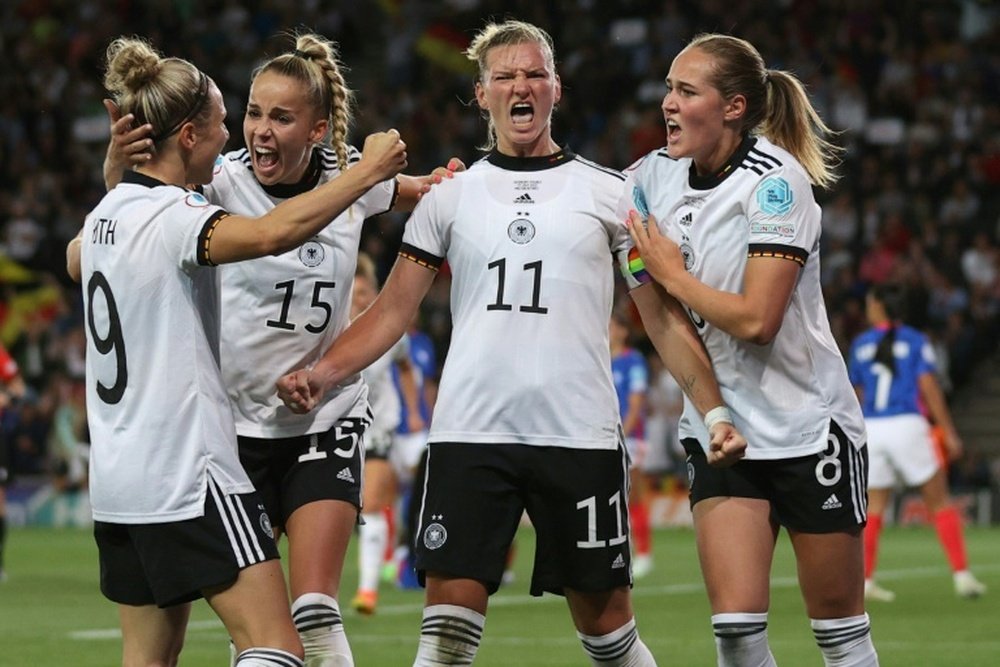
(530, 244)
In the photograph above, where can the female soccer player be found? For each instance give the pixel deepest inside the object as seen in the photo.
(893, 370)
(725, 221)
(176, 516)
(283, 311)
(526, 416)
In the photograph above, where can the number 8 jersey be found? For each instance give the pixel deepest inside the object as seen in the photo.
(782, 395)
(529, 242)
(159, 417)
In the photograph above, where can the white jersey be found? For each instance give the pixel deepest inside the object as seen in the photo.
(382, 395)
(784, 394)
(280, 313)
(158, 413)
(530, 246)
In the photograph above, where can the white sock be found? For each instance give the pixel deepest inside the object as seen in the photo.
(317, 618)
(741, 640)
(845, 642)
(373, 535)
(449, 635)
(267, 657)
(618, 648)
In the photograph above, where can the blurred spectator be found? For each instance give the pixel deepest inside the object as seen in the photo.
(912, 87)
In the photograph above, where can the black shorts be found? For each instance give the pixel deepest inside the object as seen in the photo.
(818, 493)
(474, 496)
(378, 444)
(292, 472)
(171, 563)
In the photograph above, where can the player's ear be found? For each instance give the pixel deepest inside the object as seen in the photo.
(481, 96)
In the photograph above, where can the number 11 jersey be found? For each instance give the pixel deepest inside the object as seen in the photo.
(530, 243)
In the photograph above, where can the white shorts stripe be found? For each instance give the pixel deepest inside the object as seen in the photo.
(857, 464)
(239, 527)
(220, 506)
(256, 554)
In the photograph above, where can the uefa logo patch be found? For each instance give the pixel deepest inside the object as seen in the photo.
(521, 231)
(435, 535)
(311, 253)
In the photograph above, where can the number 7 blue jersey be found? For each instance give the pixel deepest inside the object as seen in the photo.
(886, 391)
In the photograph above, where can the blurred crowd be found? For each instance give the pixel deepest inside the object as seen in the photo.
(911, 87)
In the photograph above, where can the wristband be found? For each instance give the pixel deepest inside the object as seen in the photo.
(719, 413)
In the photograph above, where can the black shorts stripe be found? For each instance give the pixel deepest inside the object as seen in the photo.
(421, 257)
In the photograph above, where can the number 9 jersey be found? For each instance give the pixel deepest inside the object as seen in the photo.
(158, 413)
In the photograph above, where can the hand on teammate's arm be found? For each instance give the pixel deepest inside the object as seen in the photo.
(412, 188)
(754, 315)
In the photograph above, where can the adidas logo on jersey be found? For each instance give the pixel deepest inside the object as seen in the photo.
(618, 563)
(346, 475)
(524, 199)
(686, 220)
(832, 502)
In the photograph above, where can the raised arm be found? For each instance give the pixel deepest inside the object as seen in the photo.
(367, 339)
(295, 220)
(684, 355)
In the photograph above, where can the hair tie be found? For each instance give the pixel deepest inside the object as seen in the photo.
(301, 54)
(199, 102)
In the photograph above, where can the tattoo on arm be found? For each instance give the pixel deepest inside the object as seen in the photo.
(688, 385)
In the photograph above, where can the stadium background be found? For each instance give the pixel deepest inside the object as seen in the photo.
(913, 87)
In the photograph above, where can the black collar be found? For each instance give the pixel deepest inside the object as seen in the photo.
(309, 181)
(710, 181)
(512, 163)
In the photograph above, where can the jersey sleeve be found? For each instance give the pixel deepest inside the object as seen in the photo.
(854, 365)
(427, 233)
(380, 198)
(188, 232)
(638, 374)
(633, 198)
(928, 359)
(783, 216)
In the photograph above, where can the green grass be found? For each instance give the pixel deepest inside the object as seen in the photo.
(52, 613)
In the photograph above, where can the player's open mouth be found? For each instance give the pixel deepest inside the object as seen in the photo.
(265, 158)
(673, 130)
(522, 113)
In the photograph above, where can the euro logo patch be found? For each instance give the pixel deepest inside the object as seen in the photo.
(639, 199)
(196, 200)
(774, 196)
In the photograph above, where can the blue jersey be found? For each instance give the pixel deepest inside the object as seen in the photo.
(422, 356)
(631, 376)
(887, 393)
